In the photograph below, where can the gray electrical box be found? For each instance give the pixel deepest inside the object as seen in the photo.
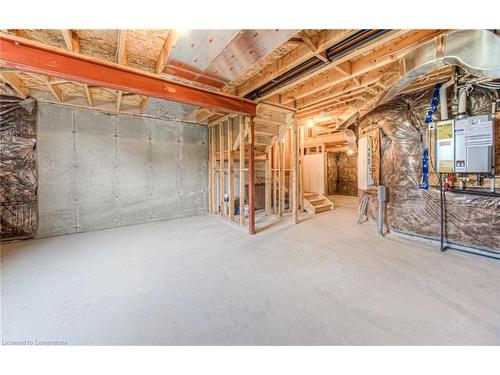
(465, 145)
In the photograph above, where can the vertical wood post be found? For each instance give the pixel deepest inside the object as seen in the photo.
(301, 169)
(230, 167)
(242, 167)
(210, 202)
(275, 178)
(221, 175)
(213, 168)
(282, 177)
(294, 177)
(251, 178)
(268, 182)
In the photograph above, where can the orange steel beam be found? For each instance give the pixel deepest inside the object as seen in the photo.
(17, 53)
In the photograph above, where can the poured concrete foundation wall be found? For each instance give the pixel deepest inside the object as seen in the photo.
(100, 171)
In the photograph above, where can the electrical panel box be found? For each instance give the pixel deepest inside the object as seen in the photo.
(465, 145)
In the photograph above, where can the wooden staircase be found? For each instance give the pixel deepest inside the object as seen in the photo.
(316, 202)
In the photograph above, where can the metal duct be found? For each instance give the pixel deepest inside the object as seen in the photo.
(351, 140)
(476, 51)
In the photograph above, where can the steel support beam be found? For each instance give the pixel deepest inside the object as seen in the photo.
(17, 53)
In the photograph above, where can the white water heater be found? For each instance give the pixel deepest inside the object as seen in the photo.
(465, 145)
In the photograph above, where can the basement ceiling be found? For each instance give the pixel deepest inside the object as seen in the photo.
(216, 57)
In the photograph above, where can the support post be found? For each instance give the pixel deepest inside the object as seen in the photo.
(230, 167)
(213, 167)
(210, 177)
(242, 169)
(251, 178)
(282, 177)
(301, 169)
(268, 182)
(275, 178)
(294, 166)
(221, 169)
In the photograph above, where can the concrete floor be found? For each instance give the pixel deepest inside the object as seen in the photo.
(202, 281)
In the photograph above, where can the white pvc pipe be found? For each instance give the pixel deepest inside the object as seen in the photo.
(443, 99)
(462, 101)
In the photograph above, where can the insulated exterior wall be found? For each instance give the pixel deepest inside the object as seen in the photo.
(471, 220)
(347, 173)
(332, 172)
(18, 168)
(99, 171)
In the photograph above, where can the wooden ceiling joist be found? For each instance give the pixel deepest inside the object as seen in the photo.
(121, 47)
(318, 73)
(323, 40)
(71, 40)
(121, 58)
(37, 58)
(310, 43)
(170, 42)
(13, 81)
(341, 88)
(362, 65)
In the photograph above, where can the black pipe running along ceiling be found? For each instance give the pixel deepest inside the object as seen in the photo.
(334, 52)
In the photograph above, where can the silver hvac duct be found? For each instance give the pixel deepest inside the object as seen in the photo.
(475, 51)
(351, 140)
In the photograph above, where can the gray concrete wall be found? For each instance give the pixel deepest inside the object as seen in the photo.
(100, 171)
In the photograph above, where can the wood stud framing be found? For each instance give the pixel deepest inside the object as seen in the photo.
(240, 144)
(222, 158)
(241, 128)
(230, 168)
(294, 177)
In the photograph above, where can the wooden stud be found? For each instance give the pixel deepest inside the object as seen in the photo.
(242, 167)
(230, 168)
(88, 95)
(301, 169)
(275, 178)
(55, 90)
(119, 100)
(251, 177)
(210, 176)
(213, 168)
(222, 157)
(144, 102)
(294, 178)
(282, 178)
(268, 191)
